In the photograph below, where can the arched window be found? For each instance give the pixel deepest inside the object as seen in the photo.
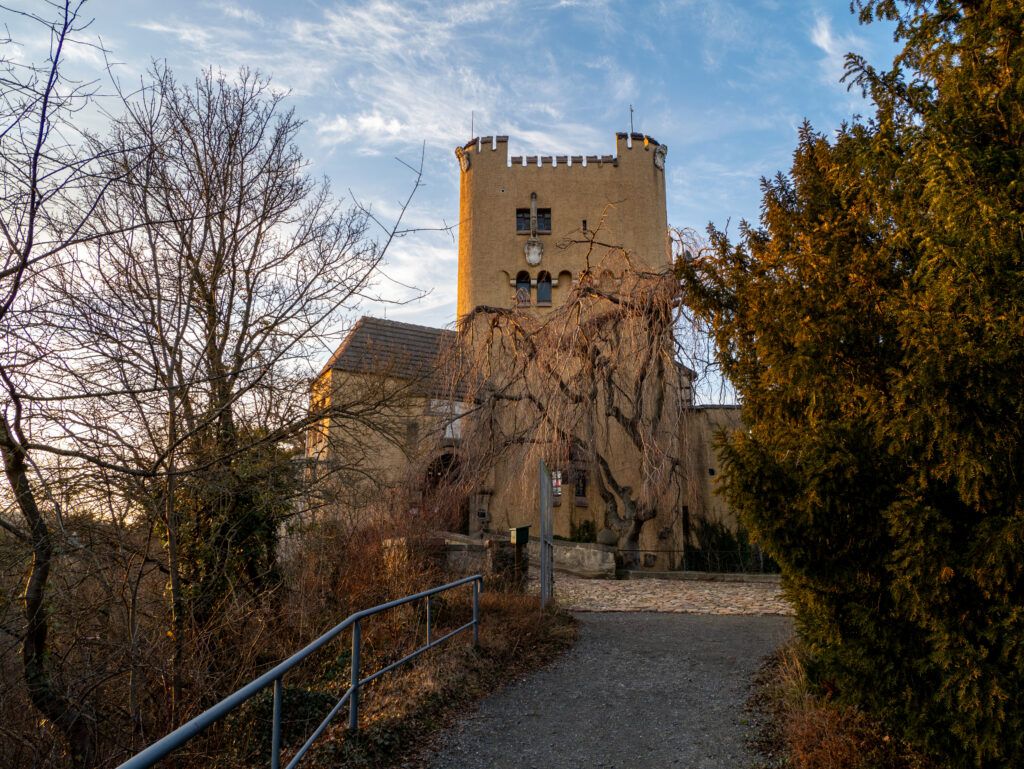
(523, 288)
(544, 288)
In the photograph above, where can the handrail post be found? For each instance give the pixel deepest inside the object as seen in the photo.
(476, 613)
(353, 702)
(275, 739)
(430, 606)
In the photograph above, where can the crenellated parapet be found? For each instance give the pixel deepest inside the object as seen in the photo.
(498, 145)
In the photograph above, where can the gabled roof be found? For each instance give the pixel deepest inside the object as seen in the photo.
(378, 346)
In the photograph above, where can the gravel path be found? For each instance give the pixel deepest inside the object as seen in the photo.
(639, 690)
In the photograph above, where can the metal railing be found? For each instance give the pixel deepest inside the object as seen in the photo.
(163, 747)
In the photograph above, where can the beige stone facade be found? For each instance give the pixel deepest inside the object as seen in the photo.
(699, 429)
(616, 200)
(529, 228)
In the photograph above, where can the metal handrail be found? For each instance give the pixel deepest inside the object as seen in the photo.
(163, 747)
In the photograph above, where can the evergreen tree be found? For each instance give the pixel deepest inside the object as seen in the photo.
(874, 327)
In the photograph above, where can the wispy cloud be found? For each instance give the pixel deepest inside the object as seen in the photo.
(835, 47)
(415, 73)
(238, 12)
(228, 46)
(194, 35)
(727, 29)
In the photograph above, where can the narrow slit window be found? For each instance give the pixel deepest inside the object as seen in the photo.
(580, 483)
(543, 220)
(522, 220)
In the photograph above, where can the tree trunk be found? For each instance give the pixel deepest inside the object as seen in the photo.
(76, 726)
(177, 602)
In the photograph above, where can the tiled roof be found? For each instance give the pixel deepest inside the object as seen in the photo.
(379, 346)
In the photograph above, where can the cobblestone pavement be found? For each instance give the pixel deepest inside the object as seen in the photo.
(667, 595)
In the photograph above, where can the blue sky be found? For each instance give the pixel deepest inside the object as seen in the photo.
(724, 83)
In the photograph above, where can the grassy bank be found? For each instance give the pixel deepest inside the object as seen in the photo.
(402, 713)
(801, 727)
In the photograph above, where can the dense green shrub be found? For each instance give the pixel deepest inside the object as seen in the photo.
(874, 328)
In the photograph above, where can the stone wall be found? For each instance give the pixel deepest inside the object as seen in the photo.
(580, 559)
(468, 555)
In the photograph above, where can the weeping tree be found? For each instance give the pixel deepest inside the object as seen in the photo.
(872, 327)
(595, 384)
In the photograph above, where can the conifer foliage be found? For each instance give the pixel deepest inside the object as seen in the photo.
(874, 328)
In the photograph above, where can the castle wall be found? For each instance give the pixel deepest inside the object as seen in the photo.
(699, 431)
(621, 198)
(371, 457)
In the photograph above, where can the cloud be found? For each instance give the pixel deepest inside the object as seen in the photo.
(188, 34)
(233, 11)
(725, 27)
(229, 47)
(835, 47)
(342, 129)
(414, 72)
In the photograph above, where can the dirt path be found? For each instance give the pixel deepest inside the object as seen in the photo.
(638, 690)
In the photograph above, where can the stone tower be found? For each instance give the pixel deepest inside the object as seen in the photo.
(530, 225)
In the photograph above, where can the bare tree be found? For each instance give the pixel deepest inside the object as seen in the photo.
(165, 289)
(196, 315)
(42, 165)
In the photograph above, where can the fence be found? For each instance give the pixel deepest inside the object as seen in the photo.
(275, 677)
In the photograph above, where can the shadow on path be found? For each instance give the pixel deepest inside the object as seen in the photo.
(638, 690)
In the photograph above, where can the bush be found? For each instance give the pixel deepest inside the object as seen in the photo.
(584, 531)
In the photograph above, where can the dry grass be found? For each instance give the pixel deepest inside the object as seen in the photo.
(802, 729)
(400, 712)
(328, 572)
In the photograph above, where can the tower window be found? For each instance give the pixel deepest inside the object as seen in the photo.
(523, 289)
(544, 288)
(543, 220)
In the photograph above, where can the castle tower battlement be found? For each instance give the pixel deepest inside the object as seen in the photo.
(531, 217)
